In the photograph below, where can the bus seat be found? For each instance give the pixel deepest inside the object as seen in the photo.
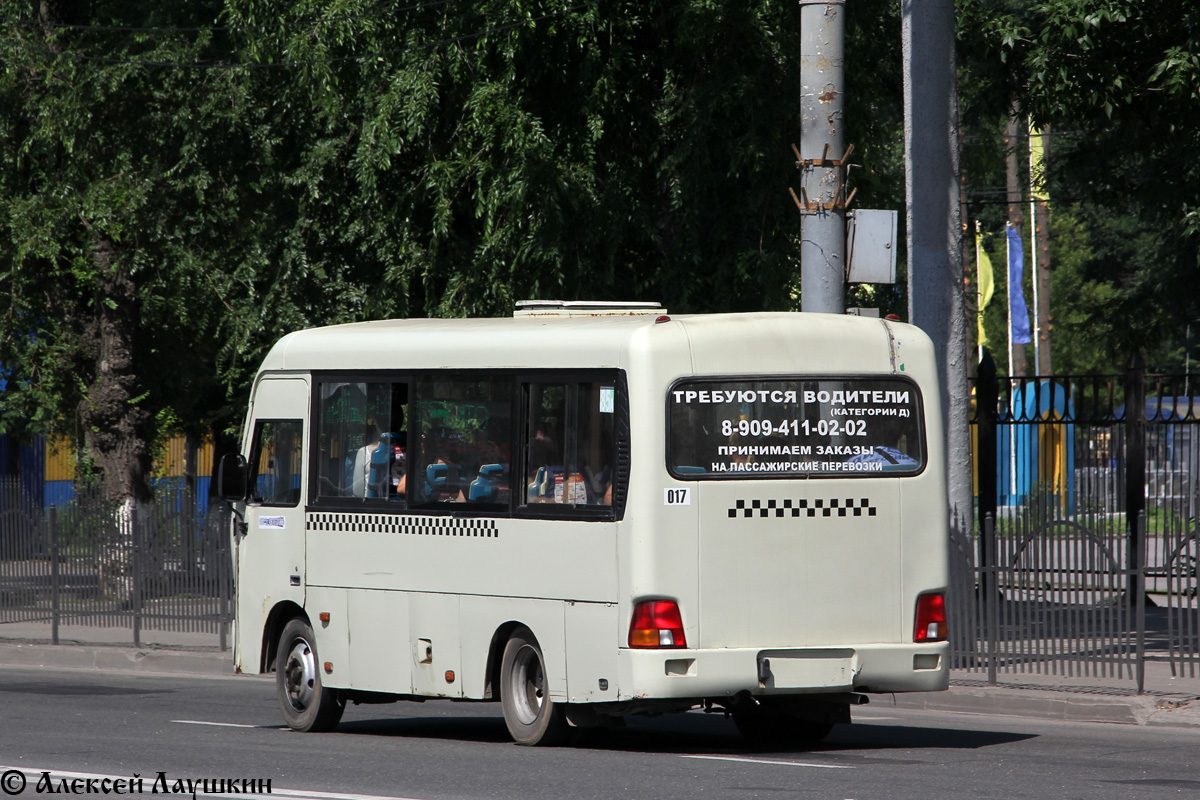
(443, 482)
(543, 482)
(380, 466)
(485, 487)
(539, 481)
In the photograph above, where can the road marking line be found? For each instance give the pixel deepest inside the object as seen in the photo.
(771, 761)
(36, 773)
(218, 724)
(332, 795)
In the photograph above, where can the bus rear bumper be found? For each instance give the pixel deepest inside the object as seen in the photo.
(646, 674)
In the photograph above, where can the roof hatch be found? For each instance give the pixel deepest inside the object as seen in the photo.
(588, 308)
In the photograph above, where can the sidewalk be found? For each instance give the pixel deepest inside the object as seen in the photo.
(1167, 700)
(28, 644)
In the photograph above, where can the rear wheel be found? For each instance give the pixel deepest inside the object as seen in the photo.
(531, 716)
(307, 705)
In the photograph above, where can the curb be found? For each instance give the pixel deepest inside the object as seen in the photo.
(1052, 705)
(65, 656)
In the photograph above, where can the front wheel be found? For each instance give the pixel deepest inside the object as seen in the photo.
(307, 704)
(531, 716)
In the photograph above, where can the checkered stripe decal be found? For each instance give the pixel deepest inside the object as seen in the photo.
(839, 507)
(414, 526)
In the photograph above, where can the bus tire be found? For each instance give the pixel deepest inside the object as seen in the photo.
(531, 716)
(307, 705)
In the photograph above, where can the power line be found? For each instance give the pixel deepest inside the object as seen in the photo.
(307, 62)
(220, 28)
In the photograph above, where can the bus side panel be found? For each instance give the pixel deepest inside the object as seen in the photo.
(453, 592)
(382, 653)
(333, 637)
(592, 642)
(481, 617)
(435, 635)
(441, 553)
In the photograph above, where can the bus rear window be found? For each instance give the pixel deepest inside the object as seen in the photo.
(798, 427)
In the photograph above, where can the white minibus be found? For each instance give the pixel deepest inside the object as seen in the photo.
(589, 511)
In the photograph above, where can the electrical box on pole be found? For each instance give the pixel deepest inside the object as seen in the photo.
(871, 246)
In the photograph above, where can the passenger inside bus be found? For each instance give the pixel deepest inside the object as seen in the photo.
(361, 463)
(388, 467)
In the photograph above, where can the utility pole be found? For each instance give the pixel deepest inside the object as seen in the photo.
(822, 157)
(935, 285)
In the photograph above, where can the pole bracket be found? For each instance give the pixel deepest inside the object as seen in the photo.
(841, 200)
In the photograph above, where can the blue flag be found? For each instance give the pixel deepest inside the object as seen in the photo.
(1018, 314)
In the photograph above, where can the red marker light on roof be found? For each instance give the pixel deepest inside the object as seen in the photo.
(663, 318)
(657, 623)
(931, 618)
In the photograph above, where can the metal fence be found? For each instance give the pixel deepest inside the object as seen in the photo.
(1084, 561)
(163, 566)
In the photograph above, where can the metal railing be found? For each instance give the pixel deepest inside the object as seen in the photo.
(1084, 562)
(162, 566)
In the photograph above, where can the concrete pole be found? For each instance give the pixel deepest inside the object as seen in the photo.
(935, 285)
(823, 225)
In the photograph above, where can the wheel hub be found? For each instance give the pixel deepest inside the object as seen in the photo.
(300, 675)
(528, 684)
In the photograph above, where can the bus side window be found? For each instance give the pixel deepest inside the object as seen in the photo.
(569, 443)
(461, 450)
(276, 454)
(544, 463)
(362, 439)
(597, 434)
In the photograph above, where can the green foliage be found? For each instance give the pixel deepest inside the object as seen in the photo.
(620, 150)
(1116, 79)
(98, 152)
(238, 169)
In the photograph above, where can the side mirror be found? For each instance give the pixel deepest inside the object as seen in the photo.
(232, 478)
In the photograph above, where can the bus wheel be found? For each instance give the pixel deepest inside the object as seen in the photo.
(531, 716)
(307, 704)
(764, 726)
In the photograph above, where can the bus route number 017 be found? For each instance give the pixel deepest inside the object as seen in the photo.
(677, 497)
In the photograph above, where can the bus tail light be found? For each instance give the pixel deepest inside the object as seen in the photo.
(931, 618)
(656, 623)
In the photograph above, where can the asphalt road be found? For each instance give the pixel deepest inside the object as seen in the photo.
(94, 723)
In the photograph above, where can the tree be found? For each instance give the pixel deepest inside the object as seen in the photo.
(185, 184)
(108, 207)
(1118, 77)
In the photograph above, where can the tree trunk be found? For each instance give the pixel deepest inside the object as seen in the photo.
(116, 429)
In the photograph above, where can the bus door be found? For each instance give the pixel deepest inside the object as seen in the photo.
(271, 556)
